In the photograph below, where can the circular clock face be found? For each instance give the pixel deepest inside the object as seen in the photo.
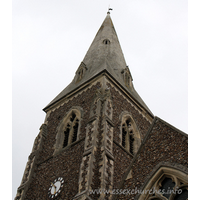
(55, 187)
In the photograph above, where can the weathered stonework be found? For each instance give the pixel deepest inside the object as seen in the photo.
(121, 104)
(99, 160)
(163, 146)
(97, 157)
(84, 101)
(31, 165)
(98, 131)
(62, 165)
(122, 161)
(99, 135)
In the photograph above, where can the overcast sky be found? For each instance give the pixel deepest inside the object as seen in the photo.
(51, 38)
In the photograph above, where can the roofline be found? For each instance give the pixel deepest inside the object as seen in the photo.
(103, 72)
(142, 145)
(173, 127)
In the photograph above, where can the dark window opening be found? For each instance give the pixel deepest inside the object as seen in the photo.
(71, 133)
(72, 117)
(182, 196)
(123, 137)
(127, 136)
(128, 123)
(65, 143)
(167, 187)
(131, 140)
(75, 131)
(106, 41)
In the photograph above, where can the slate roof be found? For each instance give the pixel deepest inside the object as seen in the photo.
(100, 57)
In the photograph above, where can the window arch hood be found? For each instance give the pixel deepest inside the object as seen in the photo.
(68, 129)
(130, 137)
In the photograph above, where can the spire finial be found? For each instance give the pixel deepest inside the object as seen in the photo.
(109, 10)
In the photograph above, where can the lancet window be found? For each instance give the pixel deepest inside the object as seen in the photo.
(127, 135)
(130, 136)
(71, 130)
(68, 130)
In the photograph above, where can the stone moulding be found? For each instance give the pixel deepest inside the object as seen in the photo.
(136, 133)
(174, 169)
(183, 168)
(61, 128)
(97, 156)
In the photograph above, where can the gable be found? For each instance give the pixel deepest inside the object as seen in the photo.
(162, 144)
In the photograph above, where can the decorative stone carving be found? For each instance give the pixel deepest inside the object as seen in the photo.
(97, 157)
(177, 180)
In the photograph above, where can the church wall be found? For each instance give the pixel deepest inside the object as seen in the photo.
(122, 158)
(49, 165)
(83, 100)
(81, 138)
(63, 165)
(121, 104)
(66, 163)
(164, 146)
(122, 161)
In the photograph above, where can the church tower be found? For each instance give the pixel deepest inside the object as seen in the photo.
(92, 130)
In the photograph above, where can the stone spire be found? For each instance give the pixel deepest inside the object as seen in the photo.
(104, 55)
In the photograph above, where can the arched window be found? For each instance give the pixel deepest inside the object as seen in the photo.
(166, 184)
(127, 135)
(71, 130)
(68, 130)
(130, 136)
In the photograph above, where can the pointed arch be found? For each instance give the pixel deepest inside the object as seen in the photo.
(130, 137)
(167, 183)
(68, 130)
